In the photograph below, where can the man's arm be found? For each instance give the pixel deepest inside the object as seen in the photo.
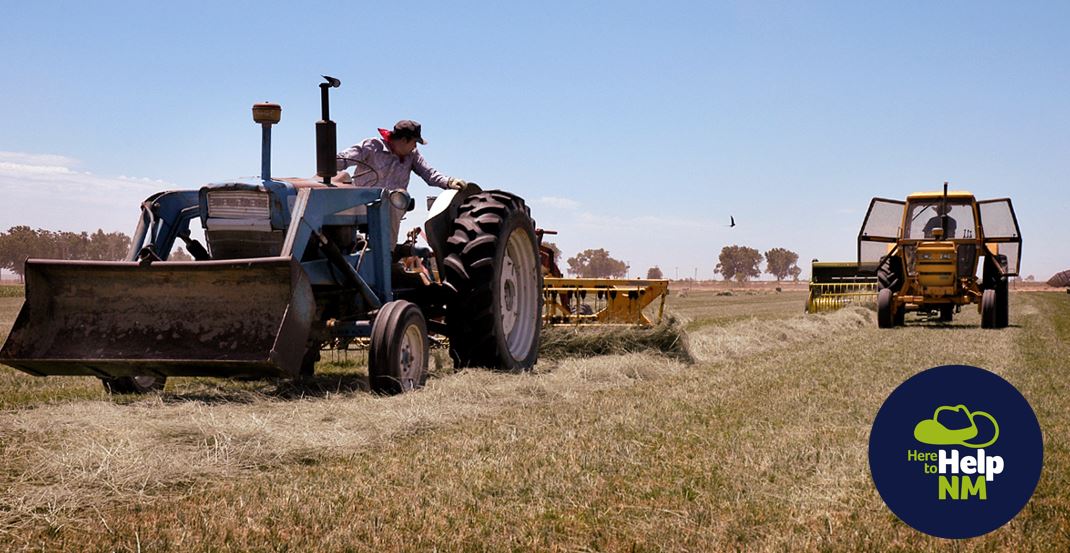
(428, 173)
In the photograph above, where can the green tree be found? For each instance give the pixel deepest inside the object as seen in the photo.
(22, 242)
(16, 245)
(552, 246)
(739, 262)
(596, 264)
(779, 262)
(113, 246)
(654, 273)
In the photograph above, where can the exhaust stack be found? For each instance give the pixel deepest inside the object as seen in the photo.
(266, 114)
(326, 135)
(943, 212)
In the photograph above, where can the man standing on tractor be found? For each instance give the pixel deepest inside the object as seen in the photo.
(386, 162)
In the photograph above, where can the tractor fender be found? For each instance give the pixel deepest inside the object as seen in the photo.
(441, 216)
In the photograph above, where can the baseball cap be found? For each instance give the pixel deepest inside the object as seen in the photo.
(407, 128)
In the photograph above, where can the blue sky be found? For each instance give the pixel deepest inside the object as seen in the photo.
(631, 126)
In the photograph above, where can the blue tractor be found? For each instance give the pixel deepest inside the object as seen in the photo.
(289, 265)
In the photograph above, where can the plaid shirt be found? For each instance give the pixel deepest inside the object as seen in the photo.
(393, 171)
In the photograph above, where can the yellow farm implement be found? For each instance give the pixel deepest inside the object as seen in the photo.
(594, 301)
(836, 285)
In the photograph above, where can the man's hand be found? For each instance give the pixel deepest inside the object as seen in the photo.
(342, 177)
(457, 184)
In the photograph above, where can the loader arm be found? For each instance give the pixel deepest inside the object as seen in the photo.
(165, 217)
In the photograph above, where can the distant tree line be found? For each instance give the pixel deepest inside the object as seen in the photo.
(22, 242)
(596, 264)
(741, 263)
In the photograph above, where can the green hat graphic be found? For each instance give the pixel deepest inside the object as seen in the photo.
(930, 431)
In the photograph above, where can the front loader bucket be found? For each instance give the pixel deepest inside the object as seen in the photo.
(836, 285)
(206, 318)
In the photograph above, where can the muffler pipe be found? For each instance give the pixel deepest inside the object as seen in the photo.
(326, 135)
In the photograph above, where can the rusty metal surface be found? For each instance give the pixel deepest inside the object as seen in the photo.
(212, 318)
(594, 301)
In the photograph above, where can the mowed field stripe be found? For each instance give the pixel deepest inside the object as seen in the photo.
(760, 446)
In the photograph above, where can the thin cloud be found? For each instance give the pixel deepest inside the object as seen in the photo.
(595, 220)
(38, 160)
(32, 175)
(46, 190)
(557, 203)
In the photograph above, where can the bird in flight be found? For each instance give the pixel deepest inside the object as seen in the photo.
(733, 221)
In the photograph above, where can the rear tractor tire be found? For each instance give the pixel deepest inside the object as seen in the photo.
(492, 262)
(889, 274)
(1002, 304)
(134, 384)
(398, 353)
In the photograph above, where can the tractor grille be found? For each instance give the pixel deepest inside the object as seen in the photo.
(226, 244)
(239, 204)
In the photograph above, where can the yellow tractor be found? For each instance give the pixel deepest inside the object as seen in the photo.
(927, 250)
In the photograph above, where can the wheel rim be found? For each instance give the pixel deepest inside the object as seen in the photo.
(145, 381)
(517, 294)
(410, 356)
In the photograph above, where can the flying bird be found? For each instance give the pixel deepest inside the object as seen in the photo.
(733, 221)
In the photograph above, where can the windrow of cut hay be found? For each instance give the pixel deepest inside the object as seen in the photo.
(61, 461)
(11, 291)
(667, 338)
(753, 337)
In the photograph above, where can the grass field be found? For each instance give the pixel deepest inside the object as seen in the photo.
(758, 445)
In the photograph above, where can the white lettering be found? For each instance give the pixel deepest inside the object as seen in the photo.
(993, 466)
(969, 465)
(948, 463)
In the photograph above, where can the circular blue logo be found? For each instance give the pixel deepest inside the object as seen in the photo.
(956, 451)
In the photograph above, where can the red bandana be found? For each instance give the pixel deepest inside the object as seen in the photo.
(386, 138)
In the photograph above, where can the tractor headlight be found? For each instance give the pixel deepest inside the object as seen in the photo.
(400, 199)
(946, 256)
(239, 204)
(925, 256)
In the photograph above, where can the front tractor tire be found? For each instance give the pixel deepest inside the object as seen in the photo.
(134, 384)
(492, 263)
(398, 353)
(885, 317)
(989, 308)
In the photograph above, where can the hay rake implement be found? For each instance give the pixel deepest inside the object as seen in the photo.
(837, 285)
(592, 301)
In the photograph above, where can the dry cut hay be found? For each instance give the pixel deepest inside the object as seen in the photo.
(62, 462)
(668, 339)
(755, 336)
